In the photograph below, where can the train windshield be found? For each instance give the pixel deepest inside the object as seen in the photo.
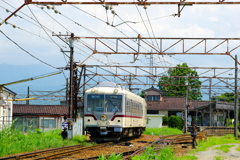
(104, 103)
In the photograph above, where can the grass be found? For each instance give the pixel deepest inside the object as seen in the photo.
(151, 153)
(224, 148)
(34, 140)
(162, 131)
(37, 140)
(238, 148)
(217, 140)
(218, 158)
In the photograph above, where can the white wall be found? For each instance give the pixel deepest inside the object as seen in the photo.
(154, 120)
(6, 108)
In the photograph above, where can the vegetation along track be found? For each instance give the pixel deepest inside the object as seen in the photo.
(127, 148)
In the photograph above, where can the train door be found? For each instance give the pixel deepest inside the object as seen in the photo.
(128, 114)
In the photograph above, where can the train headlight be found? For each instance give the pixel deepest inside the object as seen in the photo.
(98, 123)
(108, 123)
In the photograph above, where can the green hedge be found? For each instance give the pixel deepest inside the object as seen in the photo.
(175, 122)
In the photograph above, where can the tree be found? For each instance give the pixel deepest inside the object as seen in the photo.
(175, 82)
(226, 97)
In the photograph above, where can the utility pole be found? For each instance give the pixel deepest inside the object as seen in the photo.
(70, 113)
(185, 106)
(210, 103)
(236, 100)
(27, 102)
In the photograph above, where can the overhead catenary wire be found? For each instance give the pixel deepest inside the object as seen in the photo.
(26, 50)
(43, 27)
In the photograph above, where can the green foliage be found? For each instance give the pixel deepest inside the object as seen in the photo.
(238, 148)
(224, 148)
(111, 157)
(219, 158)
(37, 140)
(79, 139)
(162, 131)
(142, 95)
(166, 153)
(173, 83)
(218, 140)
(187, 157)
(165, 120)
(175, 122)
(225, 97)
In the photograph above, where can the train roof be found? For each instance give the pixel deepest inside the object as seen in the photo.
(111, 87)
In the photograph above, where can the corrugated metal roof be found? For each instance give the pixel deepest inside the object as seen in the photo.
(23, 109)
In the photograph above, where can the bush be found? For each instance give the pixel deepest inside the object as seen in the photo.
(165, 120)
(175, 122)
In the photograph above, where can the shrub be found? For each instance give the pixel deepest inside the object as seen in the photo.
(175, 122)
(165, 120)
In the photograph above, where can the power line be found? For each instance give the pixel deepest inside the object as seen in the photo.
(26, 51)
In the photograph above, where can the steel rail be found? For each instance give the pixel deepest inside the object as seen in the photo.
(53, 153)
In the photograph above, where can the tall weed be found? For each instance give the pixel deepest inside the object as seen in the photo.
(32, 141)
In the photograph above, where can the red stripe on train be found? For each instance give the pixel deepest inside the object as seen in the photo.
(127, 116)
(90, 115)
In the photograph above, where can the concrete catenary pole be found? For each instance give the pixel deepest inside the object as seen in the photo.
(236, 99)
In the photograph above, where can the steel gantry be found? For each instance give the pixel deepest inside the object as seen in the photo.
(163, 46)
(220, 78)
(180, 3)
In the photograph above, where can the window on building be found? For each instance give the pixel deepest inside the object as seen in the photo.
(48, 123)
(152, 112)
(153, 98)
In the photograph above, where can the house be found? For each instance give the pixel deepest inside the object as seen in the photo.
(6, 106)
(215, 113)
(206, 113)
(44, 117)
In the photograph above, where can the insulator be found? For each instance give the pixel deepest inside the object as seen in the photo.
(106, 7)
(7, 10)
(14, 26)
(6, 22)
(48, 7)
(113, 12)
(53, 7)
(56, 11)
(145, 7)
(42, 7)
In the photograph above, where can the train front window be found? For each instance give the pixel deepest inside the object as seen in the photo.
(104, 103)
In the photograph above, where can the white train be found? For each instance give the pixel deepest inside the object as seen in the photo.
(112, 112)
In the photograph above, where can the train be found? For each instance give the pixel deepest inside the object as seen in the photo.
(112, 112)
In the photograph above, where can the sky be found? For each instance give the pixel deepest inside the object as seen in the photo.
(27, 40)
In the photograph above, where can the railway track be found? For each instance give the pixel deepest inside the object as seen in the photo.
(127, 148)
(56, 153)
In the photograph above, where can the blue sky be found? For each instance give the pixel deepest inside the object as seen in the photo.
(34, 26)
